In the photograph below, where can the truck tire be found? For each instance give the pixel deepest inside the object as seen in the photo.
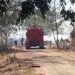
(41, 47)
(27, 47)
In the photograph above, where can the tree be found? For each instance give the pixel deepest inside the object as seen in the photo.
(68, 14)
(8, 21)
(28, 8)
(3, 6)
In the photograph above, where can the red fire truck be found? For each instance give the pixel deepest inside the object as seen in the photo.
(34, 37)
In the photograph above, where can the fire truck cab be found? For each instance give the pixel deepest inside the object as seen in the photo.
(34, 37)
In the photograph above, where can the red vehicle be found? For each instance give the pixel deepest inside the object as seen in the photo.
(34, 37)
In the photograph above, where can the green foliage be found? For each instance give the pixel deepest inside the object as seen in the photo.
(68, 14)
(62, 2)
(72, 1)
(28, 8)
(3, 6)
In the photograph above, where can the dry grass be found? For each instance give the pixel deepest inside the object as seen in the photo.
(13, 66)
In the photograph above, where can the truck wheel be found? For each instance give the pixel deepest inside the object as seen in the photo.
(27, 47)
(41, 47)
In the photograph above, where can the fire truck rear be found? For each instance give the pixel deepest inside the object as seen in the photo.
(34, 37)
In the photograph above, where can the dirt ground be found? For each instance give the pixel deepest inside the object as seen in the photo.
(37, 62)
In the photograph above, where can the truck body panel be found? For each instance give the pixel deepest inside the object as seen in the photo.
(34, 37)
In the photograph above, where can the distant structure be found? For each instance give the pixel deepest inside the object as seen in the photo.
(72, 35)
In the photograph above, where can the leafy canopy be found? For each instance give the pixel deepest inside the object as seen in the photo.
(28, 8)
(3, 6)
(67, 14)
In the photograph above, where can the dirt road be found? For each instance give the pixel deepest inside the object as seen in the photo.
(52, 62)
(46, 61)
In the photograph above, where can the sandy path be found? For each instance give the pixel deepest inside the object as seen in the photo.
(52, 62)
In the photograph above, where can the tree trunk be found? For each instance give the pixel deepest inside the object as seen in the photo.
(57, 43)
(56, 25)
